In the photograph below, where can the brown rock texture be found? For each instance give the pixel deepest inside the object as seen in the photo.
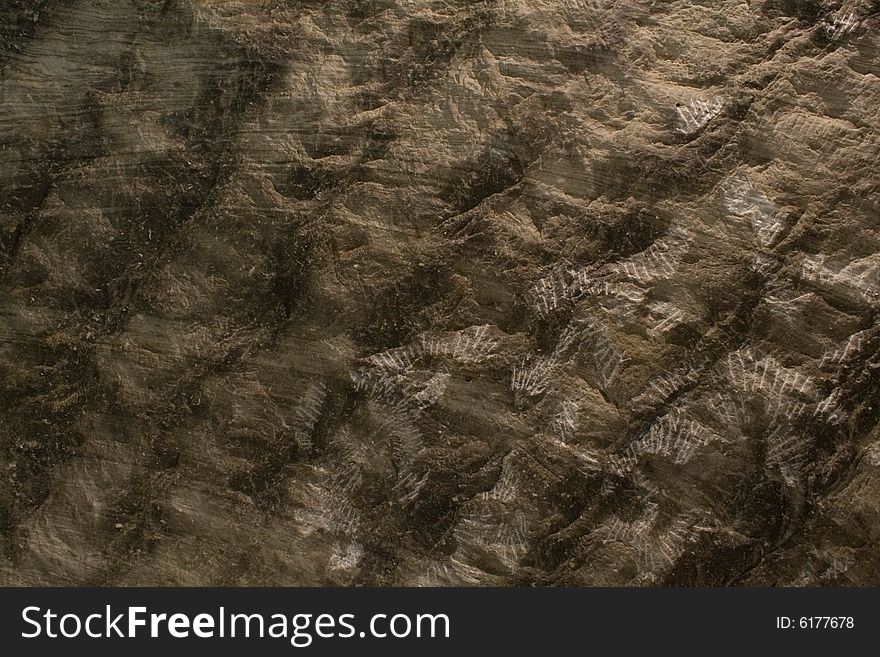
(439, 292)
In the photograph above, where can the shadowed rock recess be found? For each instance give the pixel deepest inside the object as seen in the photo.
(439, 292)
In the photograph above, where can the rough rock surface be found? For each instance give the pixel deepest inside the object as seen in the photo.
(439, 292)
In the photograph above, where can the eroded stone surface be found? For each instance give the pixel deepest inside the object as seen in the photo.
(439, 292)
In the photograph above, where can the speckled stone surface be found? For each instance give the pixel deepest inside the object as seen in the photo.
(424, 292)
